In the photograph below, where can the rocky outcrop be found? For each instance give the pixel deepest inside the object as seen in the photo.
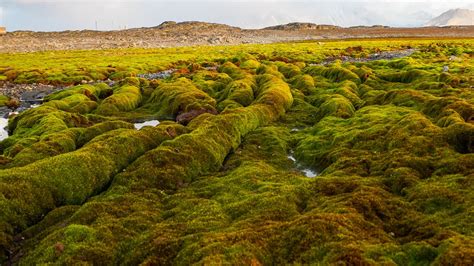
(302, 26)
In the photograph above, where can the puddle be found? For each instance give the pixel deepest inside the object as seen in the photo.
(5, 113)
(306, 171)
(3, 128)
(151, 123)
(309, 173)
(387, 55)
(291, 157)
(158, 75)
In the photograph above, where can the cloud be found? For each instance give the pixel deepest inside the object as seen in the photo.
(51, 15)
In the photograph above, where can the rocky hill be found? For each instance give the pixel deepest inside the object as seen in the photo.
(453, 17)
(302, 26)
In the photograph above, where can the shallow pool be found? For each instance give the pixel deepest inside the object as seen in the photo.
(151, 123)
(306, 171)
(3, 128)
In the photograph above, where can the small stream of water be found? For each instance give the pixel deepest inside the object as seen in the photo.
(3, 127)
(306, 171)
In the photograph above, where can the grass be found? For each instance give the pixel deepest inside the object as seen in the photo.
(392, 141)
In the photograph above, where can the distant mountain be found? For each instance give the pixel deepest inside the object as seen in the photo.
(453, 17)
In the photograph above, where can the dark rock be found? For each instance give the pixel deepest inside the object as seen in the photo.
(185, 118)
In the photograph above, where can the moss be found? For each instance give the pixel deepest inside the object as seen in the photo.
(47, 146)
(28, 77)
(367, 131)
(181, 96)
(75, 176)
(250, 64)
(336, 73)
(93, 131)
(274, 92)
(304, 83)
(213, 139)
(76, 103)
(238, 93)
(461, 137)
(232, 70)
(75, 239)
(94, 92)
(406, 76)
(3, 100)
(456, 250)
(390, 140)
(37, 122)
(289, 70)
(211, 82)
(406, 98)
(336, 105)
(408, 254)
(269, 69)
(125, 98)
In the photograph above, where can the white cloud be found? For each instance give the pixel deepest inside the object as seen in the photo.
(114, 14)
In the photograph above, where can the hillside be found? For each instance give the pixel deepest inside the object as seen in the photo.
(453, 17)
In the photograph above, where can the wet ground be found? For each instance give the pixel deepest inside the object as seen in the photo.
(388, 55)
(3, 131)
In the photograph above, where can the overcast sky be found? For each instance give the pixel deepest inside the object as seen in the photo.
(54, 15)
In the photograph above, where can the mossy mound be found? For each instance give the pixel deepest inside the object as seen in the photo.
(178, 97)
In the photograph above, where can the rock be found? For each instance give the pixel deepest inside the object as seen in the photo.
(13, 104)
(185, 118)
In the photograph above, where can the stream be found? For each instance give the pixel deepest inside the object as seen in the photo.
(306, 171)
(3, 126)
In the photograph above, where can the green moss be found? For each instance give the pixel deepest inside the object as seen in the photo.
(28, 77)
(180, 96)
(3, 99)
(406, 76)
(76, 175)
(250, 64)
(289, 70)
(336, 73)
(238, 93)
(304, 83)
(211, 82)
(390, 140)
(125, 98)
(232, 70)
(47, 146)
(37, 122)
(93, 131)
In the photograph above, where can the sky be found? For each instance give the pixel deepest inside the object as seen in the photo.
(58, 15)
